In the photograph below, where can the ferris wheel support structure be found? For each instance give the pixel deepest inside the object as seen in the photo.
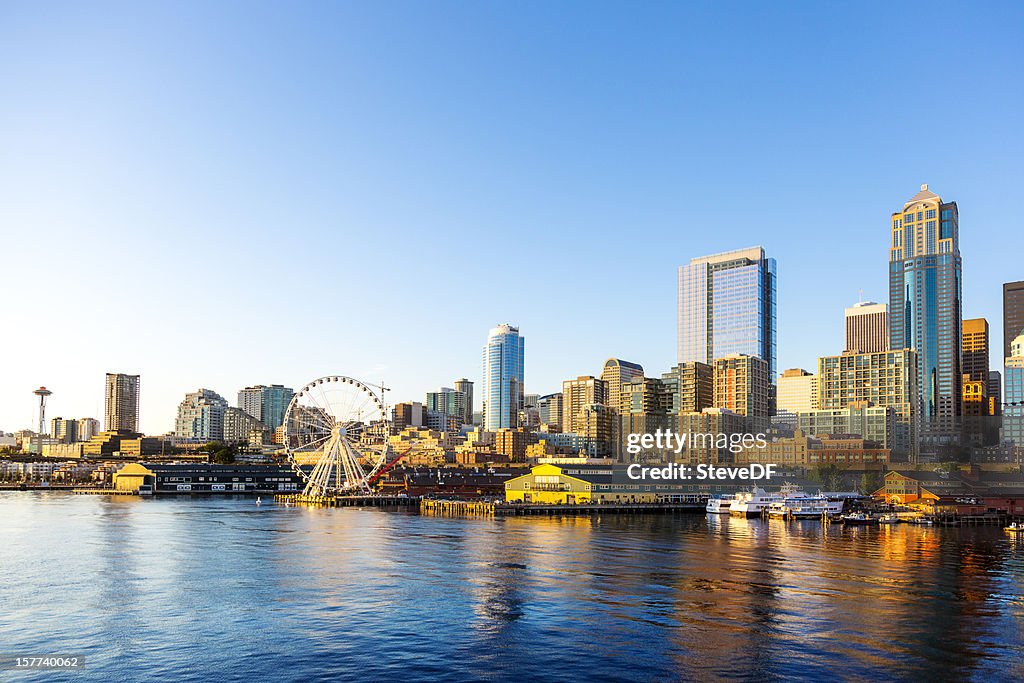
(340, 425)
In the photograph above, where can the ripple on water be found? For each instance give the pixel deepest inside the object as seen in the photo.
(179, 588)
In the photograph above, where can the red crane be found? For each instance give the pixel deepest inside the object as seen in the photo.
(390, 464)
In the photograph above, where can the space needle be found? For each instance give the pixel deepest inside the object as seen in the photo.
(43, 393)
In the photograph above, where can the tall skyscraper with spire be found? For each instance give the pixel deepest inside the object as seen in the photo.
(925, 293)
(503, 377)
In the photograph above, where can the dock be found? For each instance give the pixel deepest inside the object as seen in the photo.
(575, 509)
(104, 492)
(466, 508)
(348, 501)
(474, 508)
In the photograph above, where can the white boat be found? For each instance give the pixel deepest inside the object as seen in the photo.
(753, 503)
(888, 519)
(859, 519)
(1015, 528)
(800, 506)
(719, 505)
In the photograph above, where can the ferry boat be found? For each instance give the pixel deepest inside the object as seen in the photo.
(719, 505)
(753, 503)
(800, 506)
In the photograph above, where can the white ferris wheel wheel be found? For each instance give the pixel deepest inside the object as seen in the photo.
(340, 426)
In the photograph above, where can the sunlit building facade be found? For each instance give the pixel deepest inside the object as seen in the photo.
(121, 404)
(925, 300)
(727, 306)
(576, 395)
(867, 327)
(503, 377)
(742, 386)
(201, 416)
(267, 404)
(449, 403)
(1013, 314)
(615, 373)
(887, 379)
(549, 410)
(1013, 390)
(466, 388)
(690, 387)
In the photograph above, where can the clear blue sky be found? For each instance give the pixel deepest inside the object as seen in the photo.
(222, 194)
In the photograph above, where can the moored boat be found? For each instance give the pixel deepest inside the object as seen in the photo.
(753, 503)
(859, 519)
(805, 507)
(719, 505)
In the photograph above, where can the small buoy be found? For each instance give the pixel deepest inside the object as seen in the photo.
(259, 501)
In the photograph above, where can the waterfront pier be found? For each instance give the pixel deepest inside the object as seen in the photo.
(348, 501)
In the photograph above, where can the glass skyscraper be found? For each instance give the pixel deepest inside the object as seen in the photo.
(1013, 381)
(266, 403)
(925, 299)
(727, 306)
(503, 378)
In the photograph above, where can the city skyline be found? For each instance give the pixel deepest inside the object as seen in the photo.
(995, 362)
(174, 189)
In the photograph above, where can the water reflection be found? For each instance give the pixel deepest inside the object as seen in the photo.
(156, 587)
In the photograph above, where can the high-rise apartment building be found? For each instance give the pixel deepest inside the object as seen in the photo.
(250, 400)
(240, 425)
(550, 411)
(645, 405)
(887, 379)
(690, 387)
(448, 402)
(1013, 314)
(925, 294)
(644, 396)
(63, 430)
(88, 427)
(867, 327)
(466, 387)
(576, 395)
(268, 404)
(874, 423)
(615, 373)
(408, 414)
(121, 402)
(797, 391)
(596, 424)
(727, 306)
(743, 386)
(201, 416)
(503, 377)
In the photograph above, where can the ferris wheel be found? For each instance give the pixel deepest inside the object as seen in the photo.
(340, 427)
